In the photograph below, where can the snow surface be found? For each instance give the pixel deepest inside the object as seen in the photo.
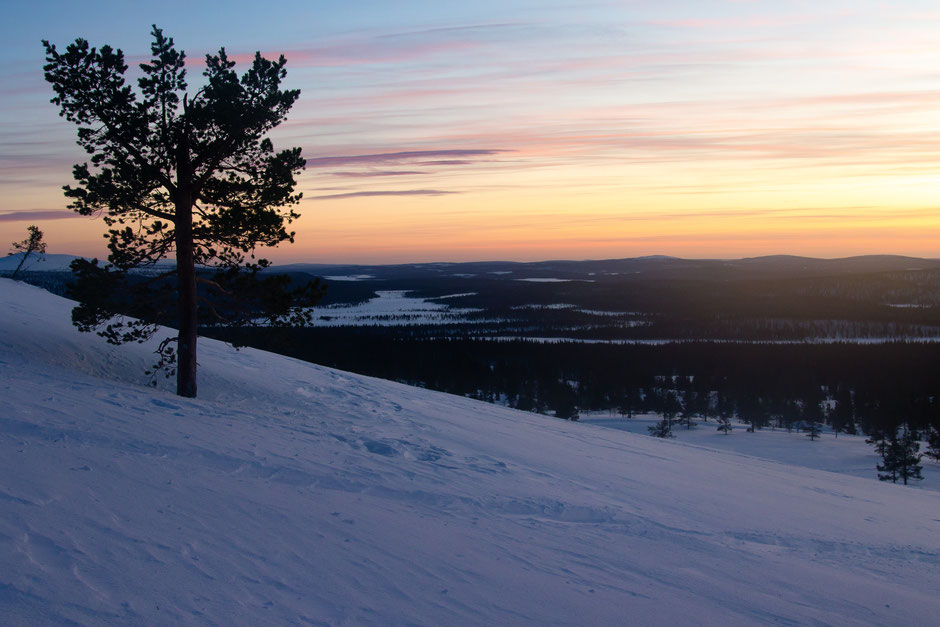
(844, 454)
(290, 493)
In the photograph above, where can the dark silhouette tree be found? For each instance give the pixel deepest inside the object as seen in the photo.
(691, 407)
(842, 415)
(879, 440)
(32, 245)
(813, 430)
(662, 429)
(564, 402)
(627, 404)
(900, 456)
(908, 457)
(671, 407)
(177, 175)
(933, 443)
(812, 411)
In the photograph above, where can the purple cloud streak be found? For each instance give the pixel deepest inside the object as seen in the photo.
(404, 192)
(392, 157)
(378, 173)
(51, 214)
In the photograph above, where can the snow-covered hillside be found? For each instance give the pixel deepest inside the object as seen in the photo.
(843, 454)
(37, 263)
(294, 494)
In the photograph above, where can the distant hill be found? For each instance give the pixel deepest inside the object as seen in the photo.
(774, 266)
(47, 263)
(652, 268)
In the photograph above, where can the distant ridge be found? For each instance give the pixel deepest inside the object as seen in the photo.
(650, 266)
(46, 263)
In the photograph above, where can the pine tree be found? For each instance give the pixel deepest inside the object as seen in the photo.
(688, 413)
(842, 416)
(900, 456)
(907, 458)
(662, 429)
(933, 443)
(813, 431)
(32, 245)
(879, 440)
(671, 406)
(724, 425)
(171, 174)
(887, 469)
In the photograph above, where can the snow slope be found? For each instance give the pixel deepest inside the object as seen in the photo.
(294, 494)
(844, 454)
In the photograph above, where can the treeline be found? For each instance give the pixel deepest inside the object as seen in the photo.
(900, 305)
(856, 297)
(574, 324)
(871, 388)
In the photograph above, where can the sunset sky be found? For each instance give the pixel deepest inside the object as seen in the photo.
(510, 129)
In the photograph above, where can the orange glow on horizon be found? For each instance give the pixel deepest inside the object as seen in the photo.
(717, 131)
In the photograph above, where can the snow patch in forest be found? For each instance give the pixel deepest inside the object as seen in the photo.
(350, 277)
(392, 308)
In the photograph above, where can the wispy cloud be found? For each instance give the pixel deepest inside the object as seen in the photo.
(403, 192)
(397, 157)
(19, 216)
(379, 173)
(741, 22)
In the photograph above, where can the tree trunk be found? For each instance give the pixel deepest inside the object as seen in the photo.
(186, 276)
(186, 290)
(22, 261)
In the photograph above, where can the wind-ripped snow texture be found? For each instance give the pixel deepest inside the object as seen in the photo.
(291, 493)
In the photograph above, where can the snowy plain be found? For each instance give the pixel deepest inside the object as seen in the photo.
(290, 493)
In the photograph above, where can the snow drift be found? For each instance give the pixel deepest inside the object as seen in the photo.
(292, 493)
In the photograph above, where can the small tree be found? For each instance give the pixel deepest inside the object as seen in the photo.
(662, 429)
(724, 425)
(32, 245)
(565, 402)
(933, 443)
(689, 409)
(900, 457)
(671, 406)
(887, 469)
(842, 415)
(813, 431)
(193, 177)
(879, 440)
(627, 404)
(907, 458)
